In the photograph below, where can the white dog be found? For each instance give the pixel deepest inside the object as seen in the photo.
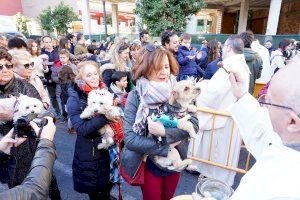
(26, 105)
(101, 102)
(182, 95)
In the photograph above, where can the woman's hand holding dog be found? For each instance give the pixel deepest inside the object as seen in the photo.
(113, 119)
(156, 128)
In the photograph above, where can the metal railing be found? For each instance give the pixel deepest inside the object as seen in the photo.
(209, 161)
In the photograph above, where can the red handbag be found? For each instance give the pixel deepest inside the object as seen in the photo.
(139, 177)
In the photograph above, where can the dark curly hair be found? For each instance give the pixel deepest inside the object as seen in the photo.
(166, 35)
(247, 38)
(214, 50)
(5, 55)
(66, 75)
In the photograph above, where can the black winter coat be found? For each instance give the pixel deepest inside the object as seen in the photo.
(25, 152)
(90, 166)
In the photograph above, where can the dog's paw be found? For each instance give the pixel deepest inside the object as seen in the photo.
(192, 133)
(192, 108)
(102, 145)
(110, 140)
(192, 168)
(85, 114)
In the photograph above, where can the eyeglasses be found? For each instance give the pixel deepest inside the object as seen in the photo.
(262, 101)
(26, 66)
(8, 66)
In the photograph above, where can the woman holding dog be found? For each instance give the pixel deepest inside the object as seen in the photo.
(155, 79)
(10, 85)
(23, 69)
(91, 168)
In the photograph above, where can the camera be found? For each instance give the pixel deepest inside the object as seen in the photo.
(287, 53)
(297, 44)
(22, 127)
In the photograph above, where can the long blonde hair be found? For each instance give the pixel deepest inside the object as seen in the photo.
(120, 65)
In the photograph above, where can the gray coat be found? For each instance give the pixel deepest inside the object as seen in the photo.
(136, 146)
(37, 182)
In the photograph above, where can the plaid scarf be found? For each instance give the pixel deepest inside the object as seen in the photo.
(152, 94)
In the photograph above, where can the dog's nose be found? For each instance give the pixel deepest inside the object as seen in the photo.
(95, 111)
(32, 111)
(197, 89)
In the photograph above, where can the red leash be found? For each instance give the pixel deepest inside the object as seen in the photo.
(118, 138)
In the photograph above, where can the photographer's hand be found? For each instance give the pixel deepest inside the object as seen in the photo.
(7, 142)
(48, 131)
(6, 114)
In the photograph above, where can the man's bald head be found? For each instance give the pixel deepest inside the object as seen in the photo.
(287, 83)
(284, 90)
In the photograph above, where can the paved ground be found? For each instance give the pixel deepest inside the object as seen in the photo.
(63, 171)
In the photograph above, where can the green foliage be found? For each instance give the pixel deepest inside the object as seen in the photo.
(46, 20)
(160, 15)
(21, 21)
(109, 19)
(58, 18)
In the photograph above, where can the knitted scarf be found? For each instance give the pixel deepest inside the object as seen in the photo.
(86, 88)
(152, 94)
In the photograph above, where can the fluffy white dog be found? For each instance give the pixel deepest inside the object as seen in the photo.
(21, 106)
(26, 105)
(101, 102)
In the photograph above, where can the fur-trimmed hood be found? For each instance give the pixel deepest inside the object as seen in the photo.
(107, 66)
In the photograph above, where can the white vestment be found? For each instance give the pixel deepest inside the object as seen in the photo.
(216, 94)
(275, 175)
(263, 52)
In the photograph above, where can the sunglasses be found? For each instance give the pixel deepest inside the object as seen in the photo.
(8, 66)
(28, 65)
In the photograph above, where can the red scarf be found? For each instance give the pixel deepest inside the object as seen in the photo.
(86, 88)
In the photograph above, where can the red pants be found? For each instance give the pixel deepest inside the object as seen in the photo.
(159, 187)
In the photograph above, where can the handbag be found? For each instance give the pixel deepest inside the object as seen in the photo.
(138, 178)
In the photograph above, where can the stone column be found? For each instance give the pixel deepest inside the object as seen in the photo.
(86, 20)
(115, 21)
(273, 18)
(243, 16)
(219, 20)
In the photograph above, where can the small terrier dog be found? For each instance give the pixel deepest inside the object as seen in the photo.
(100, 101)
(22, 106)
(178, 107)
(26, 105)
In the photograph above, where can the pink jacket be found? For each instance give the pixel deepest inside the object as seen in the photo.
(37, 83)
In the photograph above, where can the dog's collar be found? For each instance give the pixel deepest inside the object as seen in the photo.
(174, 108)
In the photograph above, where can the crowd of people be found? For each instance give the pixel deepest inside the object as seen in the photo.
(140, 75)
